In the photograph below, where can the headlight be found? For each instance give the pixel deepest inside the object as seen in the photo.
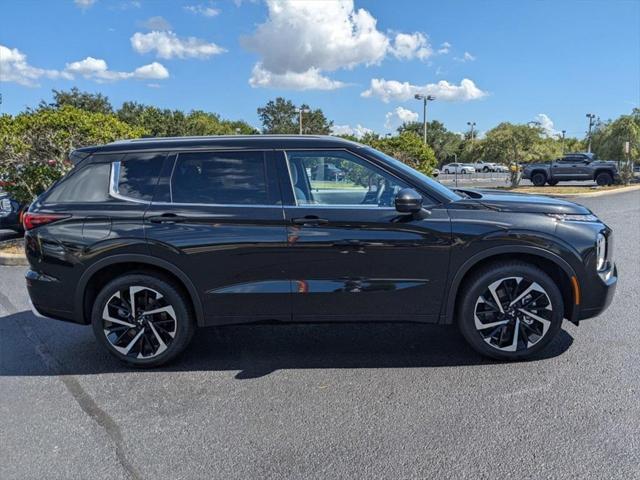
(567, 217)
(601, 252)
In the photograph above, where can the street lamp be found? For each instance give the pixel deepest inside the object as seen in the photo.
(300, 112)
(592, 122)
(471, 127)
(563, 134)
(425, 99)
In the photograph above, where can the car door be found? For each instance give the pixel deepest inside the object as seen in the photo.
(352, 256)
(218, 216)
(565, 168)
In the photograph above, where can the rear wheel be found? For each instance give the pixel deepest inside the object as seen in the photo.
(538, 179)
(510, 311)
(142, 320)
(604, 179)
(486, 169)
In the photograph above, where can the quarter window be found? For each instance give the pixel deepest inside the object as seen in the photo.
(340, 178)
(88, 185)
(221, 178)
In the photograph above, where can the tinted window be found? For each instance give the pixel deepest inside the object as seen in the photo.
(89, 184)
(139, 175)
(339, 178)
(222, 178)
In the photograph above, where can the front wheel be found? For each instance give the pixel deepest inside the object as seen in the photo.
(510, 311)
(142, 320)
(538, 179)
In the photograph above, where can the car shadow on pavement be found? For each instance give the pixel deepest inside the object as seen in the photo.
(26, 348)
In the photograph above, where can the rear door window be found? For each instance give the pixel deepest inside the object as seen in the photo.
(223, 178)
(138, 175)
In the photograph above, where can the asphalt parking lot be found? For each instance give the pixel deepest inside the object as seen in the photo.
(318, 401)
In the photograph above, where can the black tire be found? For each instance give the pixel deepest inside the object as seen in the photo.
(447, 171)
(182, 327)
(464, 172)
(538, 179)
(604, 179)
(553, 183)
(486, 169)
(472, 311)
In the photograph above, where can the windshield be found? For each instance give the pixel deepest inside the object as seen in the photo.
(439, 188)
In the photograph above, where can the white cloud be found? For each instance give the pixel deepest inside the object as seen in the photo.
(97, 69)
(307, 37)
(153, 85)
(312, 79)
(445, 47)
(467, 57)
(546, 124)
(358, 131)
(156, 23)
(202, 10)
(84, 3)
(15, 68)
(169, 45)
(399, 116)
(388, 90)
(407, 46)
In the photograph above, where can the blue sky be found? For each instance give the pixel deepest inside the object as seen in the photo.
(360, 62)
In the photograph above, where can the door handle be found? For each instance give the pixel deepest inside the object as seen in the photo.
(309, 221)
(167, 218)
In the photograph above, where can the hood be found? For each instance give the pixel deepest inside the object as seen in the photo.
(525, 203)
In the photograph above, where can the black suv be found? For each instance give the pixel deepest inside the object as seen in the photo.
(148, 239)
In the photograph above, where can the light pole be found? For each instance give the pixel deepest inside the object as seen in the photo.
(563, 134)
(471, 127)
(301, 110)
(425, 99)
(592, 122)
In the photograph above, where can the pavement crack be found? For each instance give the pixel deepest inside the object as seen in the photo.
(84, 400)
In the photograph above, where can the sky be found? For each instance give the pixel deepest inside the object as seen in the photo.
(361, 61)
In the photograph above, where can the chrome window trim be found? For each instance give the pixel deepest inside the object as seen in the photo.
(113, 185)
(342, 206)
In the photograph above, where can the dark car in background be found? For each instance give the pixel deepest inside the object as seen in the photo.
(148, 239)
(573, 166)
(10, 213)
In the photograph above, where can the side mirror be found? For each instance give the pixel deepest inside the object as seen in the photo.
(408, 201)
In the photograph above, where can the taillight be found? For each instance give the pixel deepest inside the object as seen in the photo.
(33, 220)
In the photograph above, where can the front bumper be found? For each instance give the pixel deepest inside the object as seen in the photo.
(599, 294)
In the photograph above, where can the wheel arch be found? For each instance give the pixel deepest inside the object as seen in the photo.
(556, 267)
(108, 268)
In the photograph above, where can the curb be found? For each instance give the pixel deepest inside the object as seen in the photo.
(588, 194)
(13, 259)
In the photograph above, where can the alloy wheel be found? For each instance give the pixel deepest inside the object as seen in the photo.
(513, 314)
(139, 322)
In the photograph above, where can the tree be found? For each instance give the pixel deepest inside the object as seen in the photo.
(90, 102)
(281, 116)
(610, 137)
(34, 145)
(509, 143)
(174, 123)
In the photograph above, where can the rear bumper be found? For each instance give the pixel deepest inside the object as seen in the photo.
(44, 297)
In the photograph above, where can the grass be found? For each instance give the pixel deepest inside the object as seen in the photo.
(330, 185)
(12, 250)
(561, 189)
